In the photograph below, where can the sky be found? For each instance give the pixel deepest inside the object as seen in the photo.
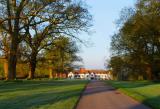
(105, 13)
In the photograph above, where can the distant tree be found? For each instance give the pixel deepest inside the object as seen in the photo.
(62, 55)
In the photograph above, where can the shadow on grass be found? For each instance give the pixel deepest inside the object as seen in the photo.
(151, 102)
(37, 100)
(31, 85)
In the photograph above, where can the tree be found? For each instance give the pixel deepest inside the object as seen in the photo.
(4, 48)
(14, 16)
(62, 55)
(138, 39)
(18, 18)
(68, 18)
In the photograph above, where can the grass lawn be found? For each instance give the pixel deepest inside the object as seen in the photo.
(144, 91)
(40, 94)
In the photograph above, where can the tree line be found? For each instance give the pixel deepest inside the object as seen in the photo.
(34, 31)
(136, 46)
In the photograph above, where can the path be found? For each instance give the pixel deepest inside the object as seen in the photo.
(98, 95)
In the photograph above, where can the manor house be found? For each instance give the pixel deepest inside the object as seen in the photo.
(82, 73)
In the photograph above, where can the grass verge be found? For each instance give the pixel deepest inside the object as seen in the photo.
(146, 92)
(40, 94)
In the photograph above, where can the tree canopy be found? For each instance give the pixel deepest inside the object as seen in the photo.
(36, 23)
(137, 43)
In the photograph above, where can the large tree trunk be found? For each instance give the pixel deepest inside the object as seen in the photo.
(154, 71)
(149, 72)
(33, 62)
(12, 58)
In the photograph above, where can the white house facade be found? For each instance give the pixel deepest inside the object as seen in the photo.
(90, 75)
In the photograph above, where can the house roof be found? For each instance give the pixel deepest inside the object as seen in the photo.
(82, 71)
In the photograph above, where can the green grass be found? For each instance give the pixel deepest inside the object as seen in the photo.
(40, 94)
(144, 91)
